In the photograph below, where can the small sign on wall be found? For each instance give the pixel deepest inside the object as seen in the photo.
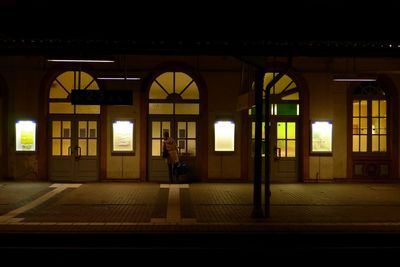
(224, 136)
(123, 136)
(321, 137)
(25, 135)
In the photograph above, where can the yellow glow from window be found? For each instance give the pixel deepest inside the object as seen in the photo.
(87, 109)
(182, 80)
(161, 108)
(186, 108)
(224, 136)
(192, 92)
(174, 82)
(281, 130)
(61, 89)
(56, 91)
(156, 92)
(166, 80)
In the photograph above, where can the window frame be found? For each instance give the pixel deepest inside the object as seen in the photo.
(369, 96)
(173, 98)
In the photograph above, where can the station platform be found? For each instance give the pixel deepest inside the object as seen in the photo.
(199, 216)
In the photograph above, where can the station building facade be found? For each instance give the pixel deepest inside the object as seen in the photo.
(320, 130)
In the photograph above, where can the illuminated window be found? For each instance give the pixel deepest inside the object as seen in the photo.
(285, 87)
(174, 93)
(286, 139)
(284, 96)
(60, 91)
(369, 122)
(186, 137)
(284, 101)
(61, 138)
(157, 130)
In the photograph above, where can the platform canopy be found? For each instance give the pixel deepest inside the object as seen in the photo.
(253, 28)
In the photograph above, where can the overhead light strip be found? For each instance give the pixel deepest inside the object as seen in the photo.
(82, 60)
(354, 79)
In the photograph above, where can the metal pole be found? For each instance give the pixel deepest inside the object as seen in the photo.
(257, 189)
(267, 190)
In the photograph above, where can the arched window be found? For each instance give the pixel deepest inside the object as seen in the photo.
(284, 101)
(60, 93)
(284, 95)
(177, 95)
(174, 93)
(369, 118)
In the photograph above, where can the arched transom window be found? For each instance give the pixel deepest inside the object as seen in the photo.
(284, 95)
(60, 93)
(284, 101)
(369, 118)
(174, 93)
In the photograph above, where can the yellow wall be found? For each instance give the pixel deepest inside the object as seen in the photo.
(23, 78)
(127, 166)
(223, 91)
(222, 77)
(339, 135)
(328, 102)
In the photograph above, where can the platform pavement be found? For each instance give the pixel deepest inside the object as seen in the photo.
(133, 206)
(220, 212)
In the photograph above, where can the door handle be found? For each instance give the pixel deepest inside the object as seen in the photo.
(79, 152)
(277, 153)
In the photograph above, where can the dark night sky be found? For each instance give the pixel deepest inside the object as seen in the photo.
(291, 20)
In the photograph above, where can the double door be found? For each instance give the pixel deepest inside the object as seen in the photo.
(74, 148)
(184, 131)
(283, 148)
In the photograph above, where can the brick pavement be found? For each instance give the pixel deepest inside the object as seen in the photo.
(203, 207)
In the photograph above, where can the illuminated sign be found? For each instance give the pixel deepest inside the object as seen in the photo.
(224, 136)
(321, 137)
(122, 134)
(25, 136)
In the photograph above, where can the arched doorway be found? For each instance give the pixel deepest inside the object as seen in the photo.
(173, 106)
(73, 130)
(284, 130)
